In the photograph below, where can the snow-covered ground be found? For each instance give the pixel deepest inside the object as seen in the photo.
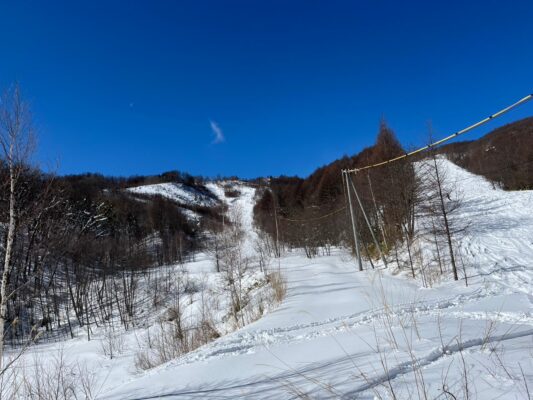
(203, 294)
(340, 333)
(345, 334)
(240, 208)
(186, 196)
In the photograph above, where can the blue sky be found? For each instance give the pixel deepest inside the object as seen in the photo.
(141, 87)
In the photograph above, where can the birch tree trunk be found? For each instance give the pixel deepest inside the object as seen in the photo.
(16, 140)
(7, 258)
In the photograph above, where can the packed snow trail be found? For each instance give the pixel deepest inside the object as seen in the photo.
(346, 334)
(323, 327)
(240, 208)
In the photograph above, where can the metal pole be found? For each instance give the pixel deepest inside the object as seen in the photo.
(278, 252)
(368, 223)
(354, 226)
(379, 221)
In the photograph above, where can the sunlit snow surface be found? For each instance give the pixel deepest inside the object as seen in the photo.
(346, 334)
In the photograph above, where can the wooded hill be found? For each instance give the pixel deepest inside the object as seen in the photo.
(82, 241)
(504, 156)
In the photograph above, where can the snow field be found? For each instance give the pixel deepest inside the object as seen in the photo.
(202, 295)
(378, 334)
(339, 333)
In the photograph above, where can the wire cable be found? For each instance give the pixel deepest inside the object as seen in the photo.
(421, 149)
(314, 219)
(447, 138)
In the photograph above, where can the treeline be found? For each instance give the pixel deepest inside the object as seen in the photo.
(412, 217)
(311, 213)
(95, 181)
(92, 186)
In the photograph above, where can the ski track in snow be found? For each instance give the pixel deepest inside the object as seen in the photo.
(248, 342)
(432, 357)
(243, 208)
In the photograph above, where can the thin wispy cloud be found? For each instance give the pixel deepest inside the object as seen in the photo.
(217, 132)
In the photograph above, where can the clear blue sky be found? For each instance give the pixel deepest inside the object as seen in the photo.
(137, 87)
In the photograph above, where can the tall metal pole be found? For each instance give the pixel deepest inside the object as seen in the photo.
(278, 252)
(354, 226)
(368, 224)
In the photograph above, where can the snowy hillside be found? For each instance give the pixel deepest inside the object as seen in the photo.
(193, 293)
(339, 333)
(374, 334)
(179, 192)
(241, 208)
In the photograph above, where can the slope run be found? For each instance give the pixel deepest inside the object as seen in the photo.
(240, 208)
(344, 334)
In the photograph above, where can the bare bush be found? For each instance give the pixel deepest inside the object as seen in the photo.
(278, 284)
(169, 342)
(10, 381)
(112, 343)
(51, 378)
(264, 249)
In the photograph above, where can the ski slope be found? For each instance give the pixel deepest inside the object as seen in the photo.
(240, 209)
(378, 334)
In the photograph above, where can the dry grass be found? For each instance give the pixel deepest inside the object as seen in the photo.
(278, 284)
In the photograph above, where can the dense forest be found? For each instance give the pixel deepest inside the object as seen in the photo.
(300, 203)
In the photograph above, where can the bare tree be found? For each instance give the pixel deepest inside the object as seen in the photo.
(215, 246)
(17, 143)
(442, 203)
(264, 250)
